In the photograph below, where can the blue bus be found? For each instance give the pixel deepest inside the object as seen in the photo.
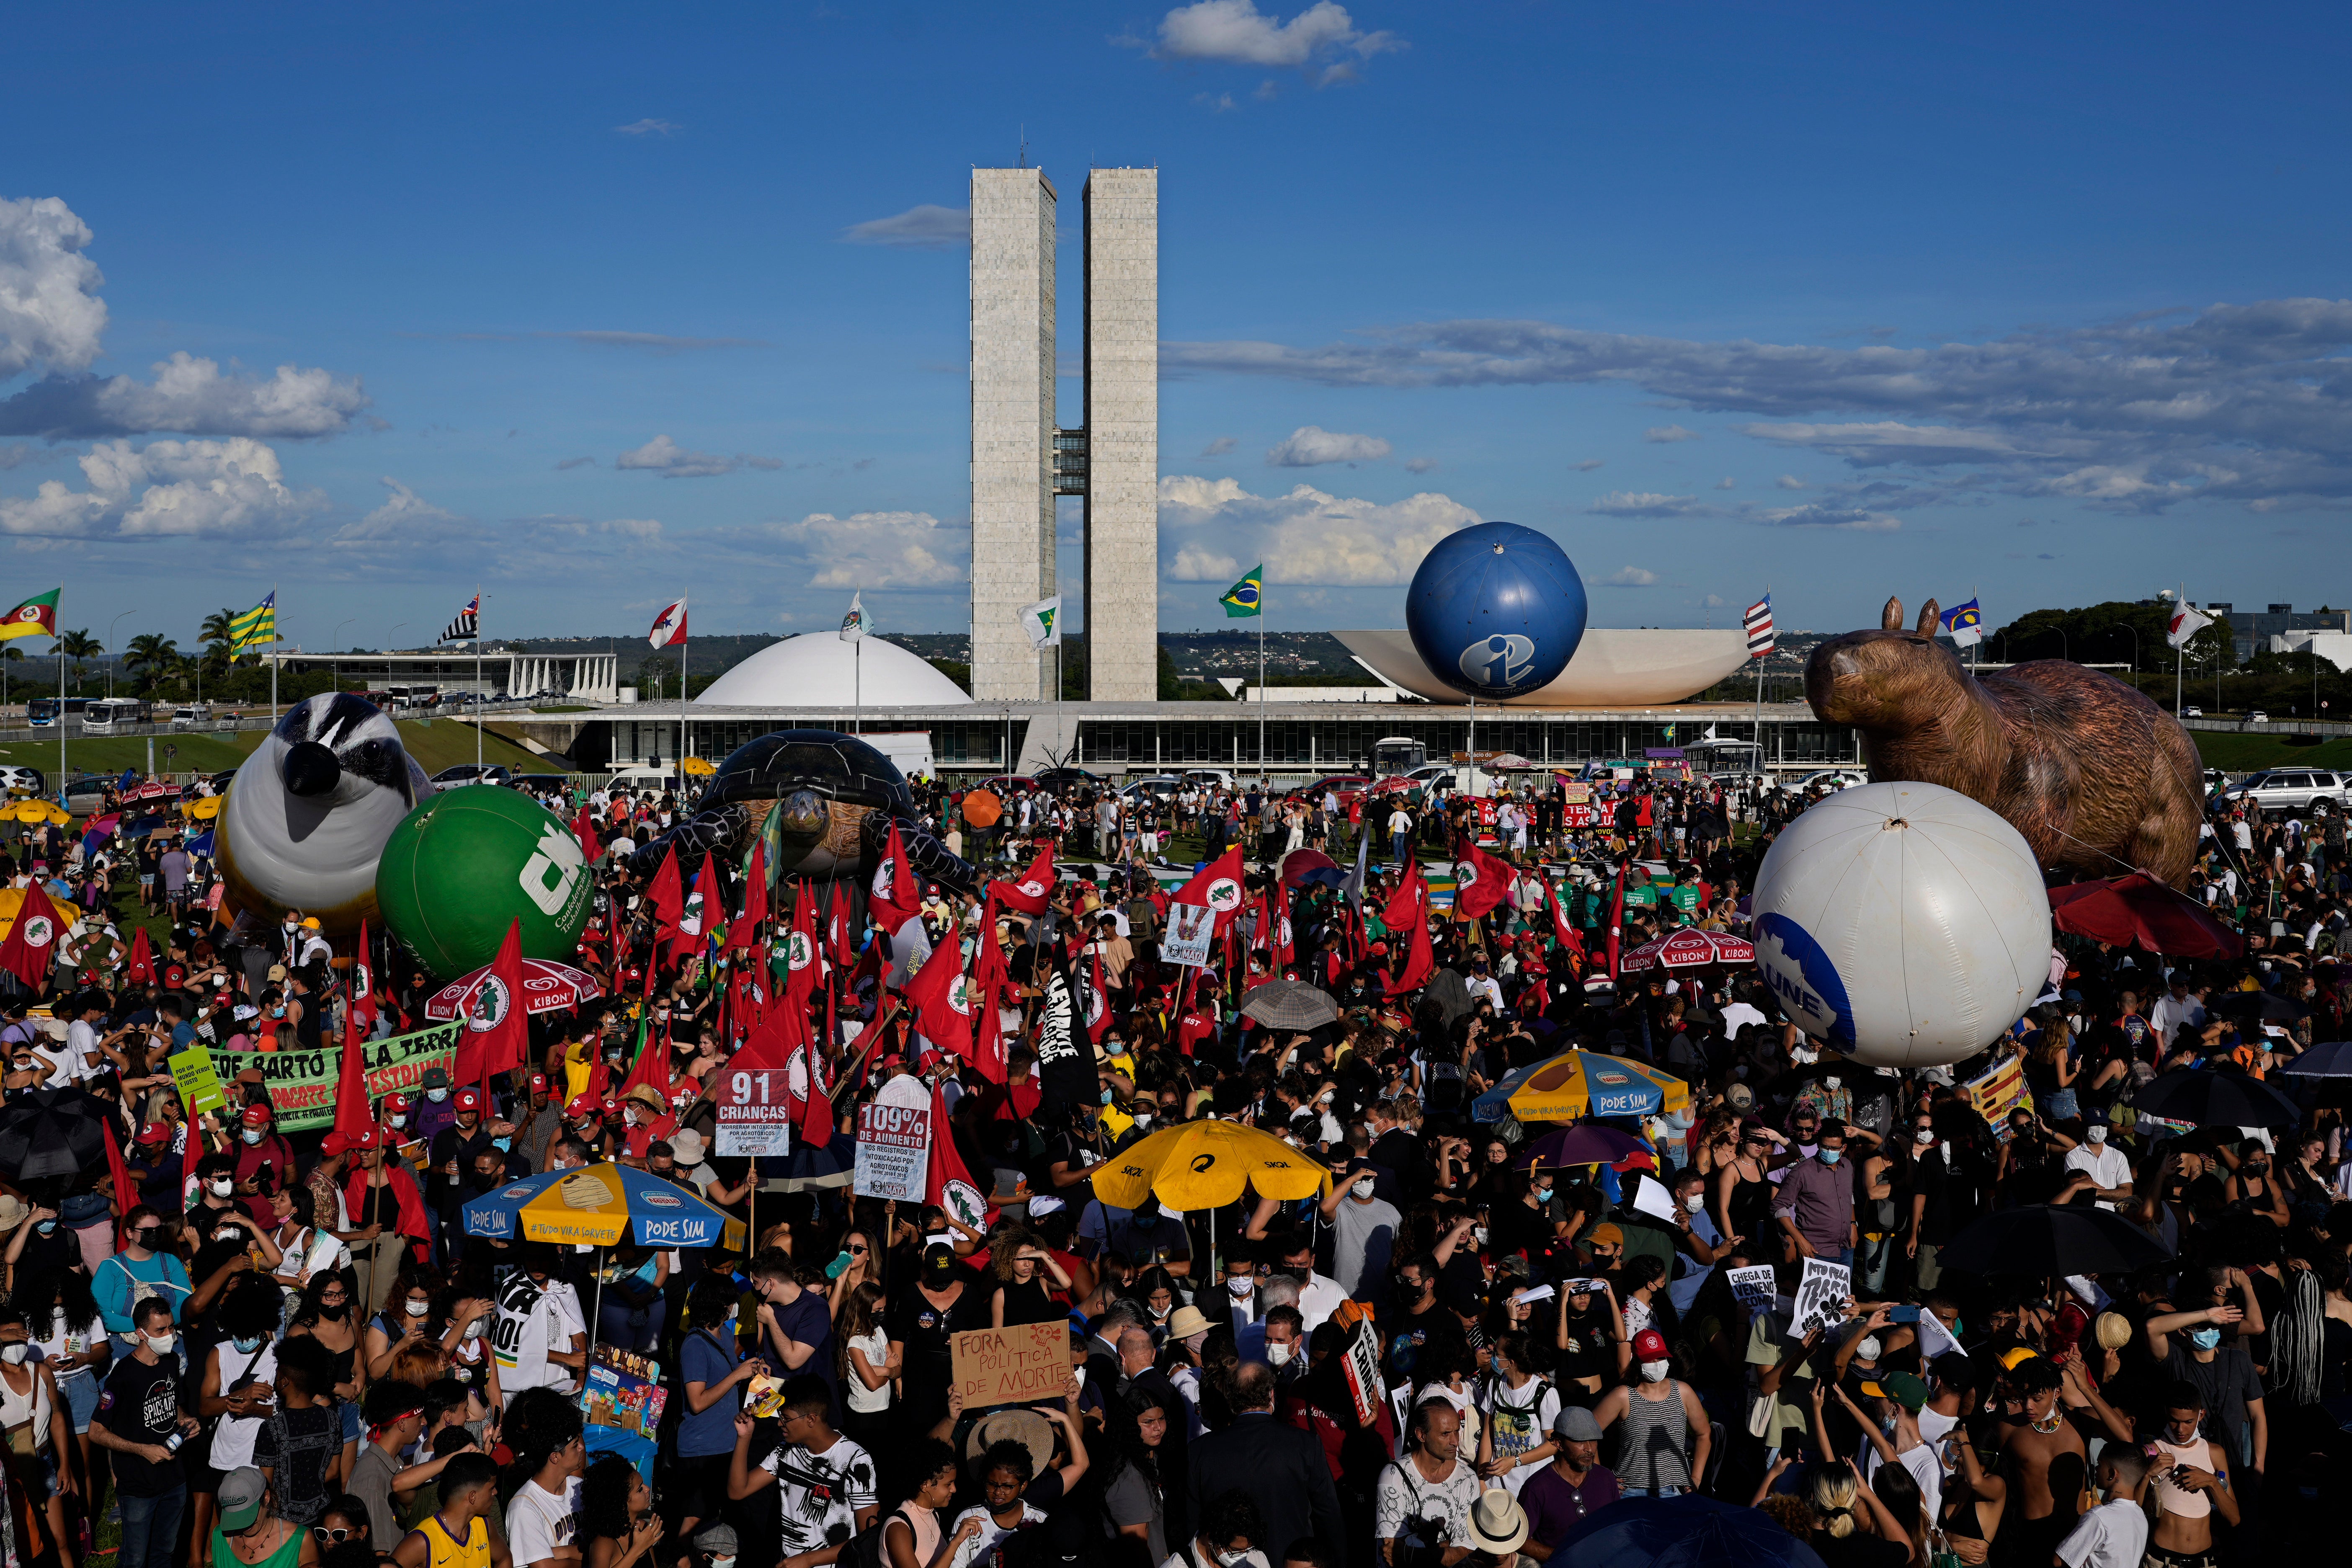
(42, 711)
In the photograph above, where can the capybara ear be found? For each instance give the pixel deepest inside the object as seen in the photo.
(1891, 621)
(1929, 615)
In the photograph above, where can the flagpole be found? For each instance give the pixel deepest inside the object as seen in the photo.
(681, 714)
(2179, 650)
(273, 656)
(1759, 736)
(477, 682)
(1261, 696)
(57, 641)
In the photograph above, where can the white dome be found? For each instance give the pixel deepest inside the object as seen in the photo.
(816, 670)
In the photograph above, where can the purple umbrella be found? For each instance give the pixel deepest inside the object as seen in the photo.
(1584, 1143)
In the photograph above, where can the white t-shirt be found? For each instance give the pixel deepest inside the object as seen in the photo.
(980, 1552)
(2106, 1163)
(817, 1491)
(233, 1437)
(538, 1522)
(1521, 1419)
(1924, 1467)
(863, 1400)
(2112, 1535)
(532, 1321)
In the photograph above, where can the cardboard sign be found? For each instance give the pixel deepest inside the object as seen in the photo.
(198, 1081)
(1820, 1299)
(755, 1111)
(1028, 1363)
(1753, 1286)
(1363, 1366)
(894, 1151)
(302, 1084)
(1192, 928)
(625, 1391)
(1998, 1092)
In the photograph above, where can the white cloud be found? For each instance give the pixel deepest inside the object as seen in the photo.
(1588, 465)
(905, 550)
(664, 456)
(1668, 434)
(1235, 32)
(1305, 537)
(1724, 484)
(649, 128)
(1220, 447)
(1858, 520)
(1646, 503)
(1789, 482)
(1419, 464)
(49, 310)
(1712, 602)
(188, 395)
(1311, 443)
(166, 489)
(407, 535)
(1628, 578)
(923, 227)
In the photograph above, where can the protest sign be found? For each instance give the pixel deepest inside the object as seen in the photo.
(1190, 929)
(894, 1143)
(1998, 1092)
(1753, 1286)
(302, 1084)
(1361, 1363)
(1653, 1199)
(198, 1080)
(755, 1112)
(1821, 1298)
(1577, 815)
(1025, 1363)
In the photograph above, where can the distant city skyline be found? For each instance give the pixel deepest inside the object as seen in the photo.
(588, 314)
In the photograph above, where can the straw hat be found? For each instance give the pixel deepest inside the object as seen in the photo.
(1497, 1523)
(1026, 1427)
(1186, 1321)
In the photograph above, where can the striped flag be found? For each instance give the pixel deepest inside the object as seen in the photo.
(36, 617)
(1759, 621)
(255, 626)
(467, 626)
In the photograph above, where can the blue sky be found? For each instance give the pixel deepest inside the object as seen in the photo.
(574, 303)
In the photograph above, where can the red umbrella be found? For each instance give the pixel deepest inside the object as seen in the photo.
(547, 987)
(1688, 949)
(2140, 909)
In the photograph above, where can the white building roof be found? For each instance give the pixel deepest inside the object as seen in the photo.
(820, 671)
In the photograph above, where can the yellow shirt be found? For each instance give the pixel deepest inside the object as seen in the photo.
(446, 1553)
(579, 1061)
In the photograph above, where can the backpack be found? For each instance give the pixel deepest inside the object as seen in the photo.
(865, 1549)
(1442, 1086)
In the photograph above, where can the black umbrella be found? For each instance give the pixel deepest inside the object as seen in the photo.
(1676, 1533)
(2041, 1240)
(53, 1133)
(2206, 1097)
(2260, 1007)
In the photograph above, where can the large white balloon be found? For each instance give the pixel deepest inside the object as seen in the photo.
(1903, 924)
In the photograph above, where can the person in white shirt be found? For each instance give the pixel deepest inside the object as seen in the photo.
(2114, 1533)
(541, 1338)
(544, 1518)
(2109, 1170)
(2177, 1006)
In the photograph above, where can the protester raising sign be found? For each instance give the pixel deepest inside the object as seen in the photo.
(1820, 1299)
(1023, 1363)
(302, 1083)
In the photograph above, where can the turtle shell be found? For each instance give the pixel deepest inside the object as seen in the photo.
(837, 766)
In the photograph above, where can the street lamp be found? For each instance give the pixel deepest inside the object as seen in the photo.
(109, 638)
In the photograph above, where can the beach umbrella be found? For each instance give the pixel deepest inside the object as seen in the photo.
(1205, 1165)
(204, 810)
(2038, 1240)
(1578, 1084)
(2331, 1059)
(1301, 867)
(1290, 1005)
(547, 987)
(1586, 1143)
(2140, 909)
(53, 1133)
(2202, 1097)
(1688, 949)
(1682, 1532)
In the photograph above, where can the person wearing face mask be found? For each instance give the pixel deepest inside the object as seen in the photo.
(146, 1268)
(139, 1423)
(34, 1417)
(435, 1108)
(264, 1161)
(2193, 1347)
(451, 1162)
(1239, 1281)
(922, 1323)
(1815, 1208)
(1666, 1436)
(1364, 1230)
(1825, 1099)
(238, 1391)
(2107, 1167)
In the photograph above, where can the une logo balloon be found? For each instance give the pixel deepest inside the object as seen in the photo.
(1495, 611)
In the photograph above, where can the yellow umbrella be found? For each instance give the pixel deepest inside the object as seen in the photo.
(58, 813)
(698, 767)
(203, 810)
(13, 900)
(30, 811)
(1205, 1165)
(1577, 1084)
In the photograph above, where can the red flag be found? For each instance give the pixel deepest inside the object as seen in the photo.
(141, 967)
(893, 900)
(1218, 885)
(1097, 1003)
(800, 953)
(817, 1124)
(1564, 935)
(1029, 891)
(943, 998)
(1404, 905)
(988, 973)
(1616, 918)
(362, 1003)
(947, 1184)
(769, 1045)
(840, 941)
(745, 932)
(702, 912)
(651, 1065)
(1420, 964)
(495, 1039)
(668, 896)
(126, 1196)
(583, 828)
(1481, 881)
(1274, 917)
(352, 1110)
(33, 939)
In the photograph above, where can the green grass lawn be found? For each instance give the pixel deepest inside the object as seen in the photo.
(2241, 754)
(436, 743)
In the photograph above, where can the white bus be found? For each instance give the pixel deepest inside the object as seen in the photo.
(104, 716)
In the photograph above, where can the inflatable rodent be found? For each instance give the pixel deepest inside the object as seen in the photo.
(2100, 780)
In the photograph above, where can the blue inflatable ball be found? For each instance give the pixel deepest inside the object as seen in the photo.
(1495, 611)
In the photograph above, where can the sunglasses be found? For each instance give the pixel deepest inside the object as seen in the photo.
(857, 1247)
(332, 1537)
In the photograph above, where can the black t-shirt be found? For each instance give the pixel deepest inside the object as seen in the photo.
(1858, 1550)
(140, 1404)
(928, 1335)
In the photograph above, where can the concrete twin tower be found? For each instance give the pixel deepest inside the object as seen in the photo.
(1023, 457)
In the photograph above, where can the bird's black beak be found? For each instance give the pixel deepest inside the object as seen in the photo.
(311, 768)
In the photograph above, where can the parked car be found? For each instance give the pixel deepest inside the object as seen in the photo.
(1348, 786)
(1827, 779)
(1059, 779)
(1160, 784)
(2258, 717)
(2192, 713)
(2290, 789)
(474, 773)
(997, 784)
(188, 718)
(17, 779)
(538, 783)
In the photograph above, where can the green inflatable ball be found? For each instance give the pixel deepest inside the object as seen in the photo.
(468, 864)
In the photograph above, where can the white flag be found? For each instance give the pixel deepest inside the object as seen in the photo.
(2185, 623)
(1043, 622)
(853, 625)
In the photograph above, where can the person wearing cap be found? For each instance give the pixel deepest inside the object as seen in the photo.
(644, 1119)
(250, 1530)
(1901, 1395)
(1574, 1486)
(1667, 1432)
(383, 1209)
(542, 1119)
(450, 1160)
(435, 1108)
(265, 1160)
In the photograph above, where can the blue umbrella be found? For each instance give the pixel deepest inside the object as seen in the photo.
(602, 1205)
(2330, 1059)
(1682, 1532)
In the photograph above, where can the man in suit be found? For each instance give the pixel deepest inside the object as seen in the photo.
(1281, 1467)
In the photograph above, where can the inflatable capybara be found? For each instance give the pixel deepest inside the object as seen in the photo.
(2100, 780)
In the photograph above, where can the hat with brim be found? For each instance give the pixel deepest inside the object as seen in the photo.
(240, 1499)
(1186, 1321)
(1026, 1427)
(1901, 1387)
(1497, 1523)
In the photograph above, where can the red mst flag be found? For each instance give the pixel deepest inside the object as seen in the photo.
(989, 974)
(362, 983)
(942, 999)
(495, 1039)
(1481, 881)
(1217, 885)
(840, 939)
(893, 900)
(703, 911)
(126, 1194)
(745, 932)
(1029, 891)
(1097, 1003)
(817, 1124)
(33, 939)
(1568, 938)
(1404, 905)
(668, 896)
(800, 954)
(141, 967)
(948, 1184)
(1419, 965)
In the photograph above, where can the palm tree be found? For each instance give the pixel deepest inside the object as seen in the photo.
(216, 628)
(154, 653)
(76, 646)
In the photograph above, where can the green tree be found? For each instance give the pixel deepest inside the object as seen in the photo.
(151, 657)
(216, 628)
(78, 645)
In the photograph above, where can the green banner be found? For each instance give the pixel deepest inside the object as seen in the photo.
(302, 1083)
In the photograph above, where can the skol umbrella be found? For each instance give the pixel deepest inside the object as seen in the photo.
(2041, 1239)
(1688, 949)
(1582, 1144)
(1205, 1165)
(2203, 1097)
(2140, 909)
(2332, 1059)
(1682, 1532)
(547, 987)
(1577, 1084)
(1290, 1005)
(53, 1133)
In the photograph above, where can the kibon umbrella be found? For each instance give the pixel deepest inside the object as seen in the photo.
(547, 987)
(2037, 1240)
(2140, 909)
(2203, 1097)
(1682, 1532)
(1578, 1084)
(1688, 949)
(1290, 1005)
(53, 1133)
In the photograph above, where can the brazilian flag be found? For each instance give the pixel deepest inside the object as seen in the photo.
(1243, 599)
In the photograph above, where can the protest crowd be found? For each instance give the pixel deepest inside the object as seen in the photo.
(1548, 1210)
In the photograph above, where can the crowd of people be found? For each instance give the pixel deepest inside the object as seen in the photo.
(285, 1347)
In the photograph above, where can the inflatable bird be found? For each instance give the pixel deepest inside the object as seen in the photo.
(308, 813)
